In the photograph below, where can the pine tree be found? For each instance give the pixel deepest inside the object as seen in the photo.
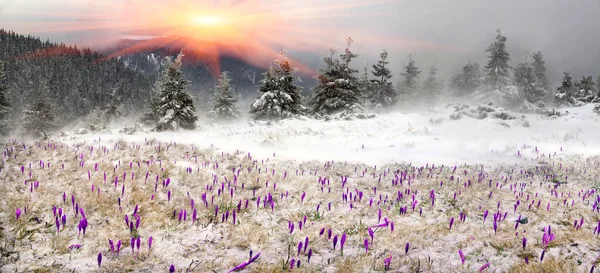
(365, 86)
(223, 107)
(539, 67)
(176, 108)
(527, 82)
(38, 119)
(585, 90)
(383, 93)
(497, 69)
(432, 87)
(4, 103)
(467, 81)
(598, 86)
(113, 108)
(338, 89)
(408, 87)
(564, 93)
(280, 97)
(152, 117)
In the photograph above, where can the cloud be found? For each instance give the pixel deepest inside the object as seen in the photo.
(437, 32)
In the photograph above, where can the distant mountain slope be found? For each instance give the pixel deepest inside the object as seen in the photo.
(203, 61)
(73, 80)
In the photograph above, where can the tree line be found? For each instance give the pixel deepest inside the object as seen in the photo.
(339, 89)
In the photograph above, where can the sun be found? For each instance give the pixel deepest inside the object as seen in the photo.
(206, 20)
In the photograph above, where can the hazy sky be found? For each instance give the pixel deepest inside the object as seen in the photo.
(445, 33)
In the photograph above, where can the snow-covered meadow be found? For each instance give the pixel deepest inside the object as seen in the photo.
(406, 192)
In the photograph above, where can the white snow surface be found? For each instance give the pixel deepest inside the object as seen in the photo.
(396, 137)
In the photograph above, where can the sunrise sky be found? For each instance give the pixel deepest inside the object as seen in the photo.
(442, 33)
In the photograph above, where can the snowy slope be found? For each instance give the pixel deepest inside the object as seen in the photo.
(398, 137)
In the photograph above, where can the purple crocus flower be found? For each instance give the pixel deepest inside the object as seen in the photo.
(335, 239)
(406, 248)
(542, 257)
(299, 247)
(172, 268)
(83, 225)
(118, 246)
(112, 245)
(451, 222)
(462, 256)
(99, 259)
(343, 241)
(18, 213)
(524, 242)
(150, 242)
(371, 233)
(484, 267)
(305, 244)
(244, 264)
(366, 245)
(138, 243)
(309, 255)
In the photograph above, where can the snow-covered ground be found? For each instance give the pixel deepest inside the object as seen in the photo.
(414, 216)
(419, 138)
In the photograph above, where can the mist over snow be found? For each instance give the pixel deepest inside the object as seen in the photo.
(334, 136)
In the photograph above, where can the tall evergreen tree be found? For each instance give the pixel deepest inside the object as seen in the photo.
(4, 103)
(338, 89)
(365, 86)
(598, 86)
(585, 90)
(527, 82)
(280, 96)
(113, 108)
(408, 87)
(432, 86)
(38, 119)
(176, 108)
(564, 93)
(539, 68)
(152, 117)
(467, 81)
(223, 107)
(497, 69)
(383, 93)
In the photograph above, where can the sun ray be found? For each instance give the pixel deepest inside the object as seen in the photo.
(253, 30)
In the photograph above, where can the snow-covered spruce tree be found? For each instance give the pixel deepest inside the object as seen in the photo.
(176, 107)
(382, 92)
(585, 90)
(527, 83)
(539, 68)
(223, 104)
(112, 111)
(408, 87)
(38, 120)
(564, 93)
(467, 81)
(497, 71)
(432, 86)
(151, 117)
(598, 86)
(338, 89)
(365, 86)
(280, 97)
(4, 103)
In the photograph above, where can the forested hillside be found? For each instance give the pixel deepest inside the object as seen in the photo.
(73, 81)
